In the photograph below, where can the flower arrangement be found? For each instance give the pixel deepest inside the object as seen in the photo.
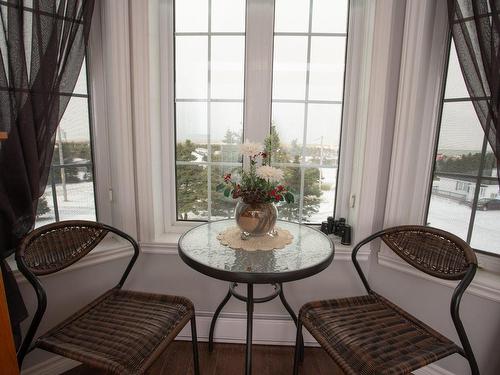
(259, 182)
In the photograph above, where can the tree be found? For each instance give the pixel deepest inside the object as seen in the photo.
(232, 137)
(312, 191)
(192, 196)
(467, 163)
(43, 207)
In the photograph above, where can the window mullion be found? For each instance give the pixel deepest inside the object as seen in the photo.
(306, 110)
(258, 69)
(209, 106)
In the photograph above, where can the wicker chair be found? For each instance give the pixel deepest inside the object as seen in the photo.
(121, 332)
(370, 335)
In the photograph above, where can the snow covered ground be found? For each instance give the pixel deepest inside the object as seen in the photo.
(443, 213)
(454, 217)
(79, 206)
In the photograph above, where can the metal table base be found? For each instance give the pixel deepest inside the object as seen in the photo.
(250, 300)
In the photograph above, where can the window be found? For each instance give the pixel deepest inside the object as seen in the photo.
(307, 80)
(70, 188)
(465, 197)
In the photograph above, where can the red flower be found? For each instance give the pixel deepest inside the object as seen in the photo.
(277, 198)
(280, 188)
(227, 177)
(272, 193)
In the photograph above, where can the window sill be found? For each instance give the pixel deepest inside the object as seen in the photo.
(486, 284)
(167, 242)
(110, 248)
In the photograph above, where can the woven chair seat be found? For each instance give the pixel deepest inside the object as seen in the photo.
(369, 335)
(120, 330)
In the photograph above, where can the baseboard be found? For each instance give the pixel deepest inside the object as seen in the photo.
(432, 370)
(52, 366)
(231, 328)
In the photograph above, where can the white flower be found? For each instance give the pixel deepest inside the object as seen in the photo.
(250, 148)
(269, 173)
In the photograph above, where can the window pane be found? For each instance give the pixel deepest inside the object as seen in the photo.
(191, 16)
(291, 15)
(191, 131)
(455, 84)
(486, 232)
(74, 186)
(226, 131)
(326, 81)
(448, 207)
(291, 211)
(222, 207)
(327, 184)
(192, 192)
(490, 163)
(76, 200)
(289, 67)
(228, 60)
(228, 15)
(323, 134)
(81, 83)
(460, 139)
(191, 67)
(329, 16)
(288, 120)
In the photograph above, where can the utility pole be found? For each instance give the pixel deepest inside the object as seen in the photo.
(61, 163)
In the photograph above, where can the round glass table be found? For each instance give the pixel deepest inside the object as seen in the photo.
(310, 252)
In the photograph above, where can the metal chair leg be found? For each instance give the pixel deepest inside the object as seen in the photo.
(194, 340)
(298, 347)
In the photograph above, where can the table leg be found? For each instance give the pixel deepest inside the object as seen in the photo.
(294, 317)
(248, 363)
(214, 319)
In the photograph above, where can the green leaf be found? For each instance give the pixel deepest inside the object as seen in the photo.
(220, 186)
(227, 191)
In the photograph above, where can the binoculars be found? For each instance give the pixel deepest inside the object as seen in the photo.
(338, 228)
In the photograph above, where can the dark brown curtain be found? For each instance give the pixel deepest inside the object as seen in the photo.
(475, 26)
(42, 47)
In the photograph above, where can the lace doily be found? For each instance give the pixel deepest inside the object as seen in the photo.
(231, 237)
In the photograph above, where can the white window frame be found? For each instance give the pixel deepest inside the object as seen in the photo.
(98, 119)
(258, 88)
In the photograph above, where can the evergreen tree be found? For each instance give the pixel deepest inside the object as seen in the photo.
(312, 191)
(43, 207)
(192, 192)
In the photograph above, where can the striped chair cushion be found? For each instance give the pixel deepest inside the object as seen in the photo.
(120, 331)
(369, 335)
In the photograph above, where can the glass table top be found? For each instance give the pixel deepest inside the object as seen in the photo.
(310, 252)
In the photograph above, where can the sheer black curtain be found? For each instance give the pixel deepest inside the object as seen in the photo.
(475, 26)
(42, 47)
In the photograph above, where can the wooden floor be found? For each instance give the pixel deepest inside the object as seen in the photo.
(229, 359)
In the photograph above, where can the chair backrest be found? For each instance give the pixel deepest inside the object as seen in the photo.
(431, 250)
(56, 246)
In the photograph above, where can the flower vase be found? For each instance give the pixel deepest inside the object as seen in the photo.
(255, 219)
